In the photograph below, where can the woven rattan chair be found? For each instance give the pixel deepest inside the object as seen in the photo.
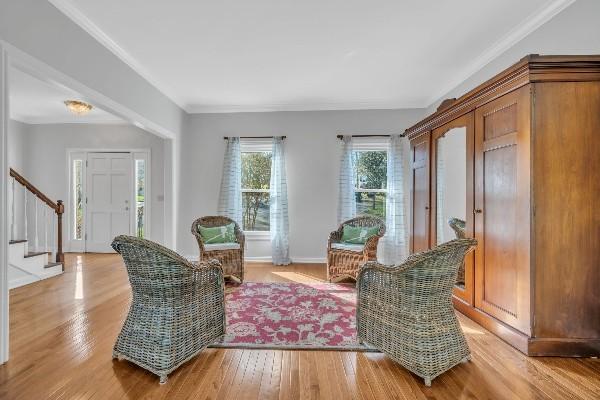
(232, 260)
(406, 310)
(345, 262)
(178, 308)
(458, 226)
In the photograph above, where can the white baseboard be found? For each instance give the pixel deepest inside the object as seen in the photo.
(22, 281)
(299, 260)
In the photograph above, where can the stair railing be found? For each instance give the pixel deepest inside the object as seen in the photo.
(57, 207)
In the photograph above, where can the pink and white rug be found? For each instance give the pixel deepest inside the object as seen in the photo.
(291, 315)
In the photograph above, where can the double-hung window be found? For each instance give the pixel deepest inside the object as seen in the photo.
(256, 179)
(370, 188)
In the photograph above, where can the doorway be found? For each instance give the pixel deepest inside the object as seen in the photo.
(109, 192)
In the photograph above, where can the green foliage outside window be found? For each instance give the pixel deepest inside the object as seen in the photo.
(256, 175)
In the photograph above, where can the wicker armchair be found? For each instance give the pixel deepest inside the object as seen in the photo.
(458, 226)
(178, 308)
(406, 310)
(232, 260)
(345, 262)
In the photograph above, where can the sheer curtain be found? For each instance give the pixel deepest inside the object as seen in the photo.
(280, 248)
(230, 196)
(394, 242)
(346, 197)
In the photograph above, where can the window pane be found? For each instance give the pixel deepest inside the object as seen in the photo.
(370, 204)
(140, 196)
(256, 170)
(371, 169)
(256, 211)
(77, 199)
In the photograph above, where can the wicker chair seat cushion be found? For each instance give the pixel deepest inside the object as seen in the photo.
(359, 248)
(222, 246)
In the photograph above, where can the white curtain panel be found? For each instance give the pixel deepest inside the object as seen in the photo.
(280, 247)
(346, 197)
(395, 247)
(230, 196)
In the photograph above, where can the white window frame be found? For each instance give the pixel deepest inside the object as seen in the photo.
(371, 144)
(78, 245)
(256, 146)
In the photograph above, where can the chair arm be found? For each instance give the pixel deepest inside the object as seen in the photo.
(371, 244)
(334, 237)
(241, 238)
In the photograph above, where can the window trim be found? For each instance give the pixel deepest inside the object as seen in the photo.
(371, 144)
(256, 146)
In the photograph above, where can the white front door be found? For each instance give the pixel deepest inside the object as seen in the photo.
(108, 194)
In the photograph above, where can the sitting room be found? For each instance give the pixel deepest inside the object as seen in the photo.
(294, 200)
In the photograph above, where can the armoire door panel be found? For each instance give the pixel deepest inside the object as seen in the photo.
(502, 208)
(420, 194)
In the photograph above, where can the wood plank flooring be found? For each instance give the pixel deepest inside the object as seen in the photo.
(62, 331)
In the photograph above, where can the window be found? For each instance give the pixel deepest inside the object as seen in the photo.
(77, 200)
(140, 197)
(256, 179)
(371, 179)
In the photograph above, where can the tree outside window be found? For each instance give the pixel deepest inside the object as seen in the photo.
(256, 178)
(371, 182)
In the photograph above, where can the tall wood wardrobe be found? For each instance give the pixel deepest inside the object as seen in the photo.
(527, 143)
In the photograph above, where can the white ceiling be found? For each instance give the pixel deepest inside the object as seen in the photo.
(262, 55)
(34, 101)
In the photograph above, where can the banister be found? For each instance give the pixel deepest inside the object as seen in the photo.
(19, 178)
(58, 208)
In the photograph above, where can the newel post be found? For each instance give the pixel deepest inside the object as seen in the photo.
(60, 257)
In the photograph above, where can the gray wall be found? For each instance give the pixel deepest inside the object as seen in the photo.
(312, 158)
(576, 30)
(17, 132)
(45, 165)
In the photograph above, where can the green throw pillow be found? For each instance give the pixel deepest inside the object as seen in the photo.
(358, 234)
(218, 234)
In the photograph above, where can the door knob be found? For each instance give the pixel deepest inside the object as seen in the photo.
(477, 211)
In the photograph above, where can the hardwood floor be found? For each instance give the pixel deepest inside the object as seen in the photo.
(62, 331)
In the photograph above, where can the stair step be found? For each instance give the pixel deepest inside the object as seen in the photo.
(17, 241)
(33, 254)
(52, 264)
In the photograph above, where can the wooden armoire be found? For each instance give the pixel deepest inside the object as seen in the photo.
(526, 145)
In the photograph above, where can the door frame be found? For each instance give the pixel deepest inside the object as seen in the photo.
(79, 245)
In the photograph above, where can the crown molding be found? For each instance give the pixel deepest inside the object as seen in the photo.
(75, 15)
(60, 120)
(515, 35)
(342, 106)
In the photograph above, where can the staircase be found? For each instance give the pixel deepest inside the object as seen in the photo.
(39, 255)
(26, 267)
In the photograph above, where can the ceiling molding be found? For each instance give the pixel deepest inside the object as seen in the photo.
(515, 35)
(363, 105)
(52, 121)
(74, 14)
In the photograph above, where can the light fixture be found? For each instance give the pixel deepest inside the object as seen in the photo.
(78, 107)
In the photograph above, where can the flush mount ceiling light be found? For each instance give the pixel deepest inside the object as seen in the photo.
(78, 107)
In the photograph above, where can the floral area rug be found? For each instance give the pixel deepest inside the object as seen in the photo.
(291, 316)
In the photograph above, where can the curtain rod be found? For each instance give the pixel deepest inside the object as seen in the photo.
(342, 136)
(255, 137)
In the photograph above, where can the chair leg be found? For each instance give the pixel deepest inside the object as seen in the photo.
(163, 379)
(466, 359)
(427, 381)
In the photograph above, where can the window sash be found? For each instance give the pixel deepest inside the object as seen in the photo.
(357, 190)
